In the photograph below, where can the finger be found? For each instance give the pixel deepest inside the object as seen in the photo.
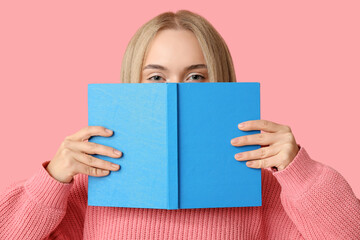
(92, 171)
(263, 163)
(255, 139)
(261, 153)
(94, 148)
(95, 162)
(263, 125)
(88, 131)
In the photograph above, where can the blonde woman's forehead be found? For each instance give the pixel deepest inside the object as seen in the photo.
(172, 48)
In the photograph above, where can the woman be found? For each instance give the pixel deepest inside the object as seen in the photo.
(302, 198)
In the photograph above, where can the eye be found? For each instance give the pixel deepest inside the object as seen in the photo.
(198, 77)
(157, 78)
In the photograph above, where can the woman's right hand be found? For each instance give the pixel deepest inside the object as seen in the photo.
(72, 156)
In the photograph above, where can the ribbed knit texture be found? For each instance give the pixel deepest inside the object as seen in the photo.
(306, 200)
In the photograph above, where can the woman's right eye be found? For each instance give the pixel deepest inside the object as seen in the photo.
(157, 79)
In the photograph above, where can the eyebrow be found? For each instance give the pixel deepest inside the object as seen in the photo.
(191, 67)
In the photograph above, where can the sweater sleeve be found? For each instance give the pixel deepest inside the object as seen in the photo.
(36, 207)
(318, 200)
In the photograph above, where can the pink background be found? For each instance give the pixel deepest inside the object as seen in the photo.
(306, 54)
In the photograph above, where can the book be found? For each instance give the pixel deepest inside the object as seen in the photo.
(175, 139)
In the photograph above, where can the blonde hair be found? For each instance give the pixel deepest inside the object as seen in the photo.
(216, 53)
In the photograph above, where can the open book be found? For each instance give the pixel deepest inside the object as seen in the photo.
(175, 139)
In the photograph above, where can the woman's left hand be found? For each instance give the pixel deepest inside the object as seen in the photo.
(278, 145)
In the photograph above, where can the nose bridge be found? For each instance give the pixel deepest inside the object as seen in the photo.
(175, 78)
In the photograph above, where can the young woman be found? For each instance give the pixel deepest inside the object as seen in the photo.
(302, 198)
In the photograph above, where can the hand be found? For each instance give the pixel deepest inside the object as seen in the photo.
(278, 145)
(72, 156)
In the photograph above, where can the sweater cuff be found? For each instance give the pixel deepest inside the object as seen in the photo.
(300, 175)
(45, 190)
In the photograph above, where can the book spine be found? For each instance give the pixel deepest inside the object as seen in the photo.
(172, 145)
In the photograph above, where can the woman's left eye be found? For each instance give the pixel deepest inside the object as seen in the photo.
(197, 78)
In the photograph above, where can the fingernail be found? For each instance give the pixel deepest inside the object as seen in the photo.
(233, 141)
(238, 155)
(114, 166)
(108, 130)
(241, 125)
(105, 171)
(117, 152)
(249, 164)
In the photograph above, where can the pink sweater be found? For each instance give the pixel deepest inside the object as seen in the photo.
(306, 200)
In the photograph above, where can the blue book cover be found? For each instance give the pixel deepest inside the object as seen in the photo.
(175, 139)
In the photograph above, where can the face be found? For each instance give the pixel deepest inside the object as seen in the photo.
(174, 56)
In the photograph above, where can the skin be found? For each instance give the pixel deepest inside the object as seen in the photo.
(169, 56)
(72, 156)
(175, 50)
(278, 145)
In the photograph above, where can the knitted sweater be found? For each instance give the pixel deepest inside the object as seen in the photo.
(306, 200)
